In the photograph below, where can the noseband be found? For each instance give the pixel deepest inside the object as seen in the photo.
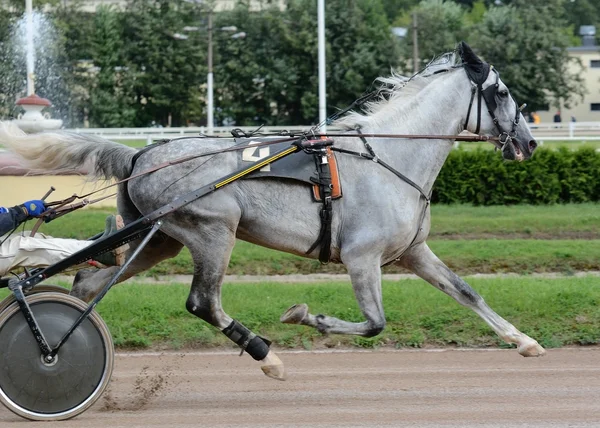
(489, 96)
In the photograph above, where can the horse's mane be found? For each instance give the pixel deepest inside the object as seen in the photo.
(396, 91)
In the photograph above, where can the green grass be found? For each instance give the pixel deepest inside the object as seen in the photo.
(556, 312)
(469, 256)
(131, 143)
(469, 239)
(549, 221)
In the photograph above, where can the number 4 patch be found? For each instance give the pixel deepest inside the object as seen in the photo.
(250, 155)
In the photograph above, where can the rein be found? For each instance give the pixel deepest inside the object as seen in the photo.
(488, 95)
(242, 146)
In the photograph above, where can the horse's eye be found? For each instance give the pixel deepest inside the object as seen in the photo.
(503, 94)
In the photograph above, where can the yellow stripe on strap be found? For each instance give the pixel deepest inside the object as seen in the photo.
(256, 166)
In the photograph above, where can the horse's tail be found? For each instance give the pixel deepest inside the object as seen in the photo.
(64, 151)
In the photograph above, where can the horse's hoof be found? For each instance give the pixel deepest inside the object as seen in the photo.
(295, 314)
(273, 366)
(531, 349)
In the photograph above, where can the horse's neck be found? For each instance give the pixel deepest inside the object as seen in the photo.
(436, 110)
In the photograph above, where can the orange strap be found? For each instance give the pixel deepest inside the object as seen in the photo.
(336, 192)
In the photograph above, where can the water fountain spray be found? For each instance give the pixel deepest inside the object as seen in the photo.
(33, 120)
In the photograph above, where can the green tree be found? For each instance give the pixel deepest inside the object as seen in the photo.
(362, 48)
(10, 82)
(527, 43)
(111, 101)
(395, 8)
(477, 12)
(272, 76)
(76, 30)
(165, 73)
(255, 76)
(582, 12)
(440, 25)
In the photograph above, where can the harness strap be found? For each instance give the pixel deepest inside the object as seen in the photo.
(479, 96)
(372, 156)
(473, 90)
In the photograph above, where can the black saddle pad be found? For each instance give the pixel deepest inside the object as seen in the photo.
(297, 166)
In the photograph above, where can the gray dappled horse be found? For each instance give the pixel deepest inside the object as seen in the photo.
(379, 220)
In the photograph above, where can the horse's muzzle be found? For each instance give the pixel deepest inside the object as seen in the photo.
(510, 151)
(532, 146)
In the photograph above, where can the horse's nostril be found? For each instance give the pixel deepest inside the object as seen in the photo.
(532, 145)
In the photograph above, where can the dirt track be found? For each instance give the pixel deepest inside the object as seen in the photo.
(349, 389)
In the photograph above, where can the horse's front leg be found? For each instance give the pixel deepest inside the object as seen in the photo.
(421, 260)
(211, 250)
(365, 274)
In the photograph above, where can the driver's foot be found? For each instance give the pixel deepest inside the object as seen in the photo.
(112, 224)
(115, 257)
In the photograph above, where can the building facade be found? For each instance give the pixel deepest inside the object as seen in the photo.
(587, 110)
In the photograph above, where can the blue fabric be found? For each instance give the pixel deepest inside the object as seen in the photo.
(10, 219)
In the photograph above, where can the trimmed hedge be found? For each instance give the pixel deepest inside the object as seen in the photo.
(482, 177)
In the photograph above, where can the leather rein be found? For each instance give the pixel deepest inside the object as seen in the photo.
(67, 206)
(488, 95)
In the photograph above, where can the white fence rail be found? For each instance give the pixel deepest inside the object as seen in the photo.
(569, 131)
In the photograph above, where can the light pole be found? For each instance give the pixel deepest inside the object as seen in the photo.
(30, 52)
(321, 54)
(210, 107)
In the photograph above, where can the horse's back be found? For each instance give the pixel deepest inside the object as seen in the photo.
(274, 212)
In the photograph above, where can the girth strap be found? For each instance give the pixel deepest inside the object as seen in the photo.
(325, 186)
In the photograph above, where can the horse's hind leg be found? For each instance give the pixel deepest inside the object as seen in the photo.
(89, 282)
(423, 262)
(365, 274)
(211, 249)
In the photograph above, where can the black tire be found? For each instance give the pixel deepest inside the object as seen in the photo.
(7, 301)
(80, 373)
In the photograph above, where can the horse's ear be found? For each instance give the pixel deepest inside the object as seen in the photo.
(477, 69)
(467, 55)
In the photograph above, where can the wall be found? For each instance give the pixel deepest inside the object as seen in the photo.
(16, 190)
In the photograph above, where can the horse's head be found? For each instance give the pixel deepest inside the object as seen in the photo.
(502, 115)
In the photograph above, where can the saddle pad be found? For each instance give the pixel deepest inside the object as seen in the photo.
(298, 166)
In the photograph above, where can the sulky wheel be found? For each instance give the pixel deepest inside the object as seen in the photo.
(78, 375)
(37, 289)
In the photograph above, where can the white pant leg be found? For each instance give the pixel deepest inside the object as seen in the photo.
(39, 251)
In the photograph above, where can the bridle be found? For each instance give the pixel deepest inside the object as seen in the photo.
(489, 96)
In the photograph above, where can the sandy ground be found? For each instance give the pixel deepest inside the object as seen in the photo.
(450, 388)
(17, 189)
